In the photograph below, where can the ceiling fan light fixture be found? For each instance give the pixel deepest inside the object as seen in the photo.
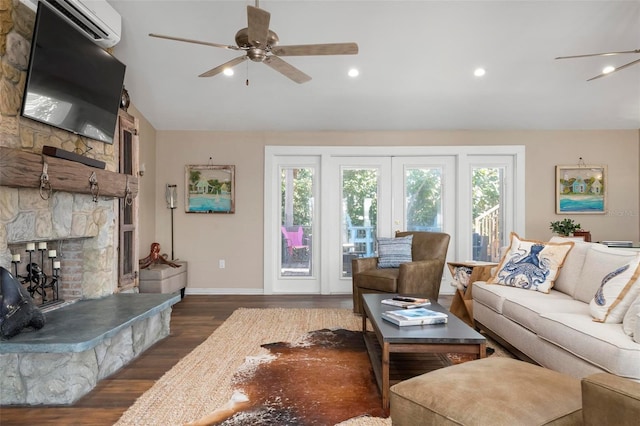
(260, 44)
(608, 69)
(353, 72)
(228, 72)
(479, 72)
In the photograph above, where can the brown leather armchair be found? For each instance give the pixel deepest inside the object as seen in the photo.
(421, 277)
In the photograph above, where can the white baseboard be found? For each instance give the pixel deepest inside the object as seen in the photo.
(258, 291)
(225, 291)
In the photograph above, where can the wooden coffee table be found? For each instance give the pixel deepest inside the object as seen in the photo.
(388, 338)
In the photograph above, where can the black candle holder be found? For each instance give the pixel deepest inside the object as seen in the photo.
(37, 281)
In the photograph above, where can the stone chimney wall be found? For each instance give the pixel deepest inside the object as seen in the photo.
(24, 215)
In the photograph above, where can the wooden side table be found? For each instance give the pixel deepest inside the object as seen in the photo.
(462, 304)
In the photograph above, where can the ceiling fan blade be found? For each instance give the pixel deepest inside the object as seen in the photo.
(316, 49)
(615, 70)
(206, 43)
(624, 52)
(258, 26)
(217, 70)
(286, 69)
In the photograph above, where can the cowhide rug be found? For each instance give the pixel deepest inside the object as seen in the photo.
(323, 379)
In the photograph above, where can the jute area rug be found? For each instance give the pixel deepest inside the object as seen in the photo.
(202, 382)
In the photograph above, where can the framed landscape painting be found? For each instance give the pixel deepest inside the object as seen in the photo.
(210, 189)
(581, 189)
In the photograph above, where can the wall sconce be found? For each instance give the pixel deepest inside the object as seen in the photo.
(143, 169)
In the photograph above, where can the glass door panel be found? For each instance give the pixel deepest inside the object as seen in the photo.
(424, 191)
(488, 212)
(423, 198)
(359, 188)
(296, 221)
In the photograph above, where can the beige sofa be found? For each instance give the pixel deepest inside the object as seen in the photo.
(557, 330)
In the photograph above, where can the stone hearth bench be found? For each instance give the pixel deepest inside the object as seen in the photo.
(81, 344)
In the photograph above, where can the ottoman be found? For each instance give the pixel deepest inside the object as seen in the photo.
(490, 391)
(164, 278)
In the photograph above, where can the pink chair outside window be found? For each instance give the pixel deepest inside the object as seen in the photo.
(295, 245)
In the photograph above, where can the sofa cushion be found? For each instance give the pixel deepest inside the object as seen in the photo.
(491, 295)
(567, 279)
(600, 261)
(394, 251)
(380, 280)
(530, 264)
(525, 308)
(618, 290)
(603, 345)
(631, 318)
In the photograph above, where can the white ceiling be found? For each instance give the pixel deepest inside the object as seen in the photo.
(416, 65)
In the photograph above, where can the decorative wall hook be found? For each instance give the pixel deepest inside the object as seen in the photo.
(95, 188)
(128, 198)
(45, 185)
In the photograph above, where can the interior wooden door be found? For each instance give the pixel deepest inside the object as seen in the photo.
(127, 145)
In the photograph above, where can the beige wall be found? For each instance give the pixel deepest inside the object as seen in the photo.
(203, 239)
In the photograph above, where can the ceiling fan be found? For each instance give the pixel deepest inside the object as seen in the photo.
(606, 54)
(260, 44)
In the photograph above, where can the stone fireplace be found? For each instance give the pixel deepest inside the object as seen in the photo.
(82, 342)
(80, 231)
(83, 232)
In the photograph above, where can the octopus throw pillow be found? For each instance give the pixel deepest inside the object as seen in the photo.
(531, 265)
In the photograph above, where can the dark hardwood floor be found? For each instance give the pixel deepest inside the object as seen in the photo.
(193, 319)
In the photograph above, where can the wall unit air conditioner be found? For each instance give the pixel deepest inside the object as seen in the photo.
(96, 19)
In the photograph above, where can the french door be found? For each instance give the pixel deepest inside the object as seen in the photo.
(323, 210)
(293, 251)
(381, 195)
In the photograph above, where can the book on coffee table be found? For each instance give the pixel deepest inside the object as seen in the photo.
(417, 316)
(407, 302)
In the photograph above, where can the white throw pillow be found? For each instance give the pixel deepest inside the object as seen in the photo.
(631, 318)
(530, 264)
(567, 280)
(600, 261)
(619, 288)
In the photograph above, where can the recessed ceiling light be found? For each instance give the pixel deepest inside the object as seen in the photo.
(479, 72)
(608, 69)
(228, 71)
(353, 72)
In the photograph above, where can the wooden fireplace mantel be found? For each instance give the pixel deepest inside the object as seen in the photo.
(21, 169)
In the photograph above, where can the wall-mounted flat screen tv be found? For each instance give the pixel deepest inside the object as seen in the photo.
(72, 83)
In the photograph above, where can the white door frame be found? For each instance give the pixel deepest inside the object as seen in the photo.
(464, 156)
(273, 281)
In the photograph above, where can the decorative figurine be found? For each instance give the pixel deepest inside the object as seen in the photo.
(155, 258)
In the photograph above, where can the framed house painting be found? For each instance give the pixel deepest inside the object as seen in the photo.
(210, 189)
(581, 189)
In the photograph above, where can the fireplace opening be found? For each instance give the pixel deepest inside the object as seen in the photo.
(50, 271)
